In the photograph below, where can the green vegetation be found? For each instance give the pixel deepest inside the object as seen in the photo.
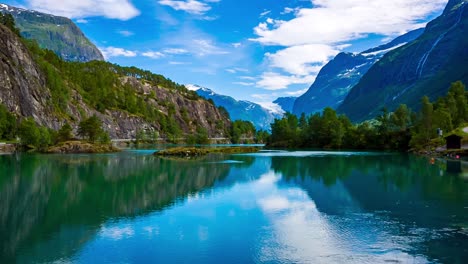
(8, 21)
(200, 137)
(34, 136)
(65, 133)
(7, 124)
(91, 129)
(242, 129)
(399, 130)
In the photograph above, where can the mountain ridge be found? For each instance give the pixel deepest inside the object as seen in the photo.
(239, 109)
(55, 33)
(425, 66)
(36, 83)
(339, 75)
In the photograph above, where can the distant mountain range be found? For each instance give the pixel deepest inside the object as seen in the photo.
(55, 33)
(240, 109)
(425, 66)
(338, 76)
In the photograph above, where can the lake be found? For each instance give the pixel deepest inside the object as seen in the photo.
(268, 207)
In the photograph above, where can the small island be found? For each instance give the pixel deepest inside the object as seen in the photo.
(196, 152)
(81, 147)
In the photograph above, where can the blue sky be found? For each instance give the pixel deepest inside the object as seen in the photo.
(256, 50)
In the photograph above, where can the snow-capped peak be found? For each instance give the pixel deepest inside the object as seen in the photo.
(194, 87)
(381, 52)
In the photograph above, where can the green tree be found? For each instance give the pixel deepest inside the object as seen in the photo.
(90, 128)
(427, 114)
(201, 136)
(35, 136)
(65, 133)
(400, 120)
(29, 132)
(8, 21)
(7, 124)
(457, 91)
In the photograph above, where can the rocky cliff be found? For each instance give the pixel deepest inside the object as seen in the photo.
(425, 66)
(58, 34)
(28, 88)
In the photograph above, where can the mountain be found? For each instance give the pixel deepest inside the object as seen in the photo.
(55, 33)
(286, 103)
(339, 75)
(425, 66)
(240, 110)
(36, 83)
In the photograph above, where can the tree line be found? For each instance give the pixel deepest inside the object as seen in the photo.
(399, 130)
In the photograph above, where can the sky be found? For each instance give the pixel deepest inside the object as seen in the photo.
(254, 50)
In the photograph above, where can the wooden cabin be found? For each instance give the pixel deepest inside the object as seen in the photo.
(453, 141)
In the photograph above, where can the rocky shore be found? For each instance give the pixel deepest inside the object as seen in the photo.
(6, 148)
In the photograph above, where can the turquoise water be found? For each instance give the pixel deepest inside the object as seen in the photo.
(269, 207)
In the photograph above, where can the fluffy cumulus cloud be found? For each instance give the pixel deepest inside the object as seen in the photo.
(316, 34)
(277, 81)
(302, 59)
(334, 21)
(153, 54)
(116, 9)
(109, 52)
(190, 6)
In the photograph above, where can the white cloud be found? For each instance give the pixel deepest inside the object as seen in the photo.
(236, 70)
(109, 52)
(244, 83)
(264, 13)
(179, 63)
(333, 21)
(82, 21)
(190, 6)
(316, 34)
(297, 93)
(116, 9)
(288, 10)
(276, 81)
(125, 33)
(204, 47)
(302, 59)
(249, 78)
(175, 51)
(153, 54)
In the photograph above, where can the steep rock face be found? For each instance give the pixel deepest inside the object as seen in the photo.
(425, 66)
(55, 33)
(286, 103)
(23, 90)
(240, 110)
(338, 76)
(22, 86)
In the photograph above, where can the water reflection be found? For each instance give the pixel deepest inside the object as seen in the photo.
(74, 195)
(379, 204)
(280, 207)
